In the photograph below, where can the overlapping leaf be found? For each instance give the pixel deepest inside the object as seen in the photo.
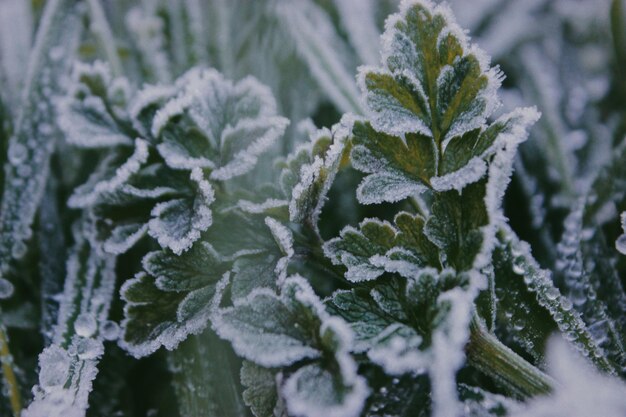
(293, 328)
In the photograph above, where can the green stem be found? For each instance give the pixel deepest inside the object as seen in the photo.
(8, 374)
(487, 354)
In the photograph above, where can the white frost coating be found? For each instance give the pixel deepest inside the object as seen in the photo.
(448, 354)
(176, 224)
(88, 194)
(258, 208)
(313, 34)
(382, 187)
(398, 354)
(124, 237)
(149, 95)
(284, 239)
(620, 243)
(581, 392)
(173, 108)
(306, 201)
(457, 180)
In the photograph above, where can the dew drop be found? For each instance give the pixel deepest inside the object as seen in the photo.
(110, 330)
(17, 153)
(19, 249)
(552, 293)
(85, 325)
(6, 289)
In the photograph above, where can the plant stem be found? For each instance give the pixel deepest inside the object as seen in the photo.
(8, 375)
(486, 353)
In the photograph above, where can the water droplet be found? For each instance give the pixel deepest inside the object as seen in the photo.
(110, 330)
(6, 289)
(552, 293)
(19, 249)
(566, 304)
(85, 325)
(17, 153)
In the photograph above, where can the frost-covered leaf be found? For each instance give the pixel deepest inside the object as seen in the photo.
(581, 391)
(273, 330)
(429, 104)
(320, 389)
(376, 247)
(93, 115)
(68, 365)
(260, 393)
(171, 299)
(33, 131)
(310, 171)
(293, 328)
(216, 124)
(560, 308)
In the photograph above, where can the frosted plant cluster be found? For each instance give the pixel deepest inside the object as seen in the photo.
(312, 208)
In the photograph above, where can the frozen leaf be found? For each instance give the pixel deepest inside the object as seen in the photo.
(318, 164)
(68, 365)
(216, 124)
(333, 390)
(176, 224)
(34, 134)
(260, 393)
(378, 246)
(483, 403)
(272, 330)
(171, 299)
(293, 328)
(429, 104)
(93, 115)
(560, 308)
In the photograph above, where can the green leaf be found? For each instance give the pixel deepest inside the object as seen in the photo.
(260, 393)
(171, 299)
(378, 246)
(429, 104)
(560, 308)
(398, 167)
(218, 125)
(272, 330)
(94, 115)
